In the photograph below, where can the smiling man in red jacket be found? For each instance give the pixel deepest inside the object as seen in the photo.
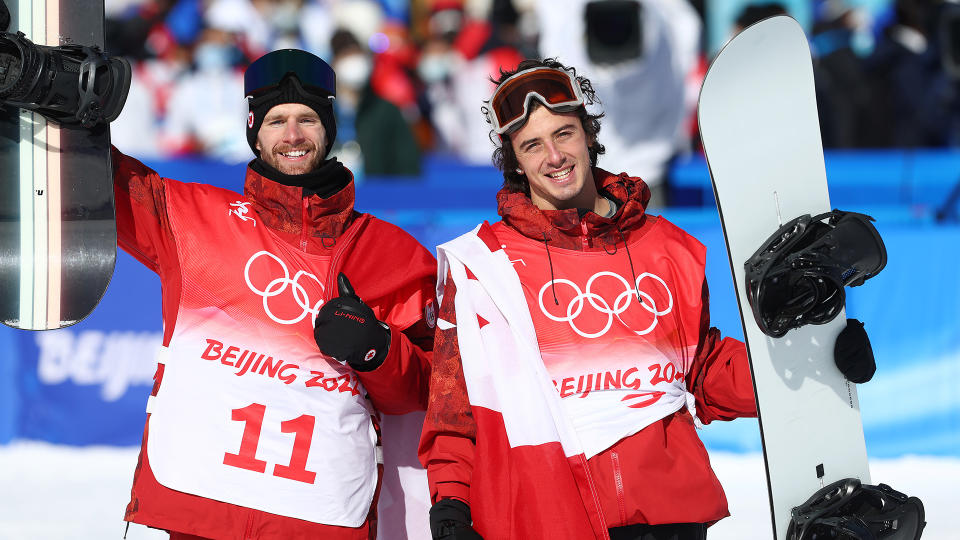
(574, 353)
(264, 419)
(290, 320)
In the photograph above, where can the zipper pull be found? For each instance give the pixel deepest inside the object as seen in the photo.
(304, 235)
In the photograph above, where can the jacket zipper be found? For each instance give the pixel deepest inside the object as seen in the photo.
(343, 244)
(303, 223)
(583, 236)
(618, 480)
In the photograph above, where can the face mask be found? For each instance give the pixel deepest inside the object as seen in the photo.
(212, 56)
(353, 71)
(434, 67)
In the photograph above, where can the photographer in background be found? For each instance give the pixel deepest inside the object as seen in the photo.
(638, 54)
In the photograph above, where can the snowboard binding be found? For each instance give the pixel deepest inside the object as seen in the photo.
(849, 510)
(798, 275)
(69, 84)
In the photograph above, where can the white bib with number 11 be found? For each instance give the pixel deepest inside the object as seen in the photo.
(242, 427)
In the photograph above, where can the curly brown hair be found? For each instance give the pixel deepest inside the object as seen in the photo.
(505, 159)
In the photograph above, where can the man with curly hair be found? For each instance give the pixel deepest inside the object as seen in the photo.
(574, 352)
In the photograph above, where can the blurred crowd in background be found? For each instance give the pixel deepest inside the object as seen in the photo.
(412, 74)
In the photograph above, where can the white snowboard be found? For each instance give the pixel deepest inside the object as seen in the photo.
(761, 135)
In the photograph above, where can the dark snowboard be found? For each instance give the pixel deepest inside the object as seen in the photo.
(57, 223)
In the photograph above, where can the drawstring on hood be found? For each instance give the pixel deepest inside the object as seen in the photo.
(565, 229)
(623, 237)
(614, 244)
(633, 272)
(553, 284)
(568, 229)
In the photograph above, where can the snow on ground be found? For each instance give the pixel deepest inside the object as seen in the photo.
(936, 481)
(57, 492)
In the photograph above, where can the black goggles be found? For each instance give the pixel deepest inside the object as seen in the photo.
(269, 70)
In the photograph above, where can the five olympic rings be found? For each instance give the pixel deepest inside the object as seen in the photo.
(620, 304)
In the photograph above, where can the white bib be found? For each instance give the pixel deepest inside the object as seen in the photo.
(612, 331)
(279, 437)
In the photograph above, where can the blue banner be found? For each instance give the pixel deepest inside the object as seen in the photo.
(88, 383)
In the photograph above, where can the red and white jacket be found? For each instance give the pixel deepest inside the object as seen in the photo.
(570, 351)
(251, 432)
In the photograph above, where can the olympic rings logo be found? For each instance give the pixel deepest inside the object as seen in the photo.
(279, 285)
(599, 303)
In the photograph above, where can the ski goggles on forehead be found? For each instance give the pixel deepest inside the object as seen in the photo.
(510, 103)
(270, 69)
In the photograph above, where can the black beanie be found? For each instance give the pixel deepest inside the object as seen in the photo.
(290, 91)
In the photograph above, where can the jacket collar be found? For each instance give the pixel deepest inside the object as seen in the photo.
(289, 209)
(566, 228)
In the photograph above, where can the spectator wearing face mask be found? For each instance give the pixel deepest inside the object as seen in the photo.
(461, 53)
(268, 25)
(381, 138)
(439, 61)
(206, 104)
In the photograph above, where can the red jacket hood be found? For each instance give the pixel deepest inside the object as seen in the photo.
(565, 228)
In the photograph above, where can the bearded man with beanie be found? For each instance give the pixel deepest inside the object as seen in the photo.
(291, 322)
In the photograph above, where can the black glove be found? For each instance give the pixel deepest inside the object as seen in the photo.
(347, 330)
(450, 520)
(853, 354)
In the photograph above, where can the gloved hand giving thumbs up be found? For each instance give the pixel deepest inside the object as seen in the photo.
(347, 330)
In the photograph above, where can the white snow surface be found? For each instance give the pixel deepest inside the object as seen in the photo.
(64, 492)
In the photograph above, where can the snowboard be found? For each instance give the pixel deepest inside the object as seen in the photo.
(58, 239)
(761, 136)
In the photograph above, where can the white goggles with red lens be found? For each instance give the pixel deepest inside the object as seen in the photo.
(509, 105)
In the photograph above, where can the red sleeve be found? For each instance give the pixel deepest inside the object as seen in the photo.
(449, 430)
(143, 229)
(720, 377)
(401, 384)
